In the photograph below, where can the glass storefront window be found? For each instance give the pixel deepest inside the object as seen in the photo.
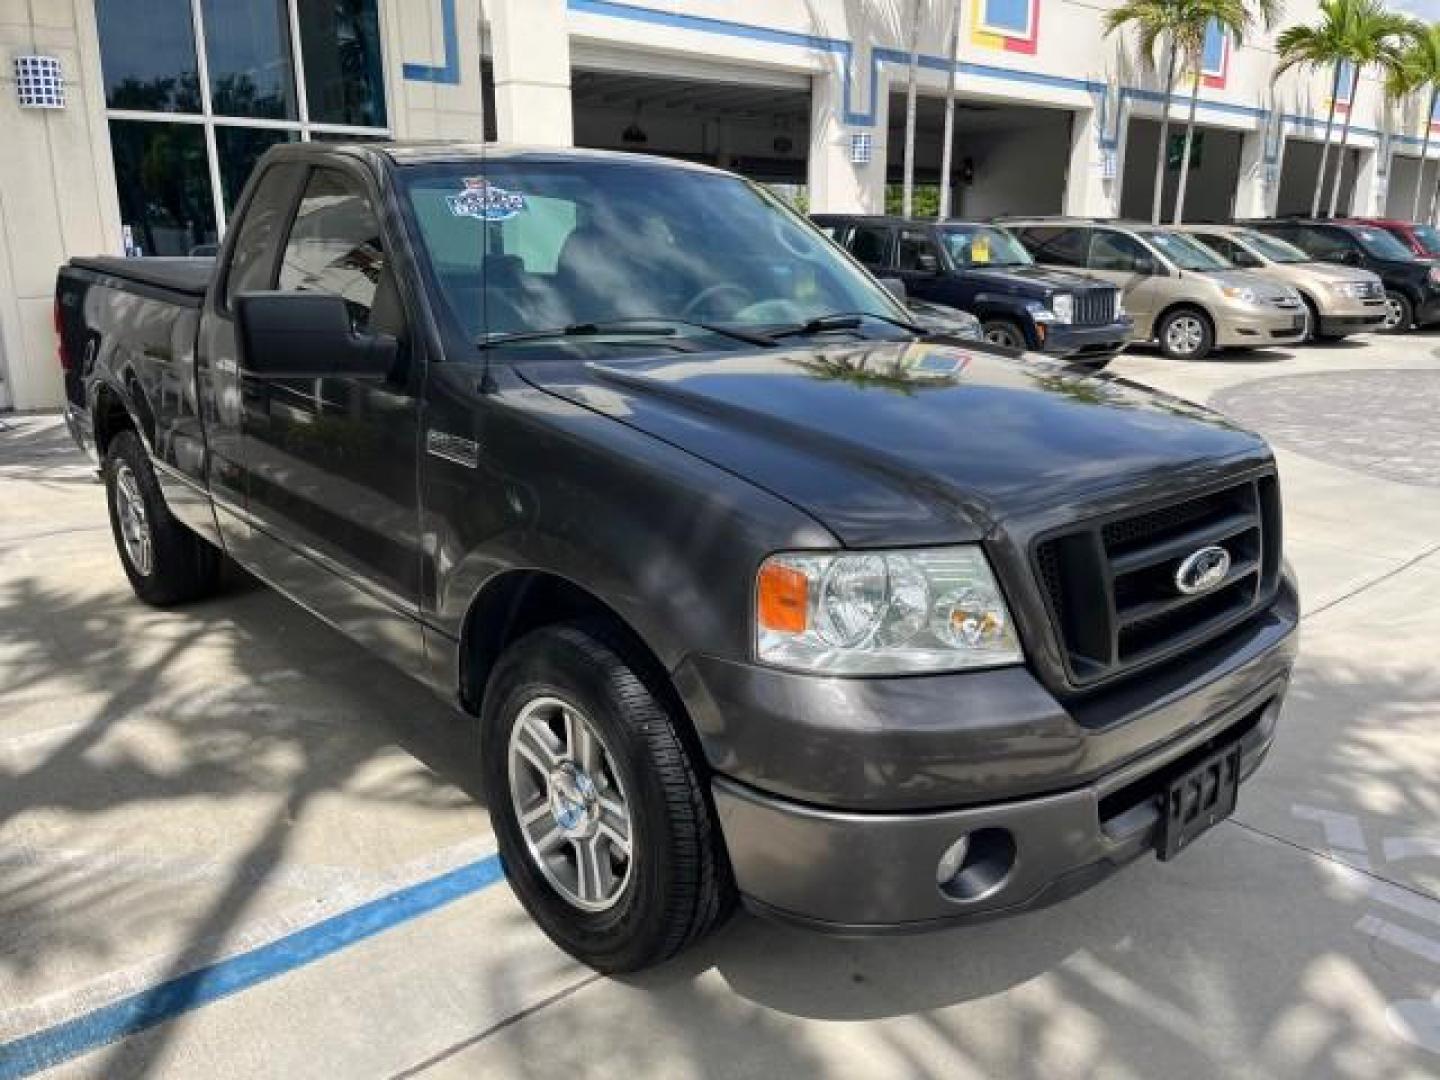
(247, 48)
(164, 184)
(239, 148)
(340, 41)
(147, 51)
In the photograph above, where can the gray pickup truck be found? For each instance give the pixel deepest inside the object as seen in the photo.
(754, 588)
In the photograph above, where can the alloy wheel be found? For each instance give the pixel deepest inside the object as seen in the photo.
(1184, 335)
(571, 806)
(134, 524)
(1394, 313)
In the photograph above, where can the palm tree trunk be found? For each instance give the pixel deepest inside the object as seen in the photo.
(1344, 142)
(947, 147)
(1185, 153)
(1420, 170)
(907, 196)
(1159, 196)
(1325, 146)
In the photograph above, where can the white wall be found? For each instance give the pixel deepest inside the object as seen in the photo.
(56, 189)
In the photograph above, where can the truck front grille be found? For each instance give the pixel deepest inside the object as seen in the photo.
(1111, 584)
(1095, 307)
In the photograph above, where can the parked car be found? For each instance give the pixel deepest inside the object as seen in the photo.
(1182, 295)
(1420, 239)
(1412, 284)
(749, 587)
(1339, 300)
(983, 270)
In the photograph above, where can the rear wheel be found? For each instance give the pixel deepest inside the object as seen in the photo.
(1186, 334)
(1399, 313)
(1004, 332)
(605, 829)
(165, 562)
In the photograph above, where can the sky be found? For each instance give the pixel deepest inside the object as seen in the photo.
(1429, 10)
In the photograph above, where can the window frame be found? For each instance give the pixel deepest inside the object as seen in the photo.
(303, 125)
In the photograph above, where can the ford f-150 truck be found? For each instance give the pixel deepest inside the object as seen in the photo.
(754, 588)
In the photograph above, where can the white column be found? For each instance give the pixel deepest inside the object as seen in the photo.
(837, 185)
(1368, 198)
(531, 50)
(1092, 183)
(1258, 190)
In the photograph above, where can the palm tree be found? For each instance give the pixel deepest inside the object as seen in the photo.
(1358, 32)
(1401, 85)
(1422, 60)
(1233, 18)
(1156, 22)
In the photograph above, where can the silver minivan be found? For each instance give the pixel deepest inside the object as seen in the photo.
(1181, 294)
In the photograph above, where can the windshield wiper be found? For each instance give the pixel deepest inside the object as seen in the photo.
(644, 326)
(841, 320)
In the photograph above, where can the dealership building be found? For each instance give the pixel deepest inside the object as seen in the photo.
(129, 126)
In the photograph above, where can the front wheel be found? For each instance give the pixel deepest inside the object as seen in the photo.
(605, 829)
(1186, 335)
(1004, 332)
(1399, 313)
(165, 562)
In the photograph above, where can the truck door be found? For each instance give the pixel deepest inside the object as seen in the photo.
(330, 462)
(919, 264)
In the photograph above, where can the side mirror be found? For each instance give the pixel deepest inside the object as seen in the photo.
(308, 335)
(926, 263)
(894, 286)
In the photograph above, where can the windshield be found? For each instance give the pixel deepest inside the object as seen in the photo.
(1184, 252)
(983, 245)
(1381, 244)
(1272, 247)
(542, 245)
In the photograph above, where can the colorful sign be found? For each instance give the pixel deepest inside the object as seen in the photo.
(484, 201)
(1012, 25)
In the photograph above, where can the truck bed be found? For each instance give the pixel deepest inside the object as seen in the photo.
(186, 276)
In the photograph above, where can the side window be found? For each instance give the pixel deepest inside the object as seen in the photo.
(252, 259)
(334, 245)
(1324, 243)
(1056, 245)
(1222, 246)
(918, 251)
(870, 244)
(1116, 252)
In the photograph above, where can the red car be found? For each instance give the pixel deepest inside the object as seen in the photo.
(1422, 239)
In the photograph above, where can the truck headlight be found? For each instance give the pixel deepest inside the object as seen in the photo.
(1063, 305)
(882, 612)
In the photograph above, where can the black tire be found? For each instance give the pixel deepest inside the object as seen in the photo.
(1197, 342)
(1400, 310)
(1004, 333)
(1312, 321)
(182, 566)
(678, 886)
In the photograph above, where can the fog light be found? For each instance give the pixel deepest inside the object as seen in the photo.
(952, 860)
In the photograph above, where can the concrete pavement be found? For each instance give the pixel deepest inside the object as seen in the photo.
(221, 789)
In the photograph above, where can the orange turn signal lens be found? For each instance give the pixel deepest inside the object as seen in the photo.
(784, 599)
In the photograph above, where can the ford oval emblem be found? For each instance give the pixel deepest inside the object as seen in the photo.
(1202, 570)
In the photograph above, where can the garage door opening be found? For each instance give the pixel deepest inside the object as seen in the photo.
(1008, 159)
(1214, 172)
(758, 130)
(1406, 176)
(1297, 177)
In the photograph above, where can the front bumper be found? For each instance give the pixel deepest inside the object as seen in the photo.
(1254, 325)
(868, 874)
(1078, 342)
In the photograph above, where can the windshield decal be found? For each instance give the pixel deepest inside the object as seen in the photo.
(484, 201)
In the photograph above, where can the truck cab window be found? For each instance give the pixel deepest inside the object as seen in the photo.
(252, 262)
(870, 244)
(334, 245)
(918, 252)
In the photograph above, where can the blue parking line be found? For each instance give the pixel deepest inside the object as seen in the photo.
(165, 1001)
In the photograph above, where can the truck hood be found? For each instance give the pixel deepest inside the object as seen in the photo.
(911, 442)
